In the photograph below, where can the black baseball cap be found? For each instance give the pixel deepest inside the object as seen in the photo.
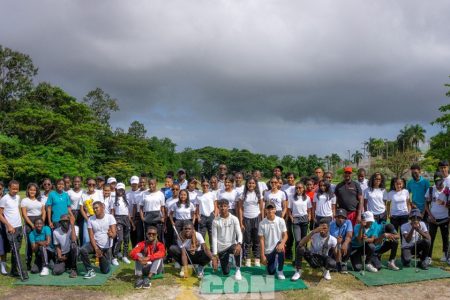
(102, 178)
(340, 212)
(270, 204)
(415, 213)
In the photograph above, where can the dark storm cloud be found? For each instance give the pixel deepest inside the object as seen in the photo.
(230, 62)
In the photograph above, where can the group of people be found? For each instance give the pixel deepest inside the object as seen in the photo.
(310, 219)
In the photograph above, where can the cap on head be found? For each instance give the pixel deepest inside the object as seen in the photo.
(340, 212)
(134, 180)
(368, 216)
(348, 169)
(111, 180)
(181, 171)
(120, 185)
(270, 204)
(415, 214)
(101, 178)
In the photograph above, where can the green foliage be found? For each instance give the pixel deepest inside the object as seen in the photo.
(440, 143)
(102, 104)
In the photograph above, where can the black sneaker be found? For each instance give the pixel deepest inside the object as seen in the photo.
(25, 276)
(34, 269)
(343, 268)
(147, 284)
(423, 265)
(139, 283)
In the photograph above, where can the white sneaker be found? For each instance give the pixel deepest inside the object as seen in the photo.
(238, 275)
(296, 275)
(326, 275)
(444, 258)
(257, 262)
(182, 273)
(177, 265)
(392, 266)
(44, 271)
(3, 268)
(280, 275)
(429, 261)
(248, 262)
(126, 260)
(115, 262)
(371, 268)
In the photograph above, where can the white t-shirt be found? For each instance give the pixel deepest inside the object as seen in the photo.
(205, 203)
(44, 197)
(438, 204)
(183, 212)
(63, 239)
(317, 243)
(88, 200)
(406, 228)
(251, 205)
(100, 228)
(375, 200)
(277, 198)
(133, 198)
(447, 181)
(121, 209)
(324, 204)
(187, 243)
(11, 211)
(169, 203)
(364, 185)
(232, 198)
(289, 190)
(399, 202)
(225, 233)
(299, 207)
(193, 196)
(262, 187)
(33, 207)
(239, 189)
(153, 201)
(75, 198)
(272, 232)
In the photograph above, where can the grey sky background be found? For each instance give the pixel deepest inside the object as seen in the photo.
(276, 77)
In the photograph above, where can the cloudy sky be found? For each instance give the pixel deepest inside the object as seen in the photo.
(276, 77)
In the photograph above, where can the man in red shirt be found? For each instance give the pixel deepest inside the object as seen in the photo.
(149, 256)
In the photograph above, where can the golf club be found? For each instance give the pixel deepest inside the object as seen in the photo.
(363, 272)
(415, 250)
(182, 247)
(16, 254)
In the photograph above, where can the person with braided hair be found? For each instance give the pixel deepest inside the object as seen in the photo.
(191, 247)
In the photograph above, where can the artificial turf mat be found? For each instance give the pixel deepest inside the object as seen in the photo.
(64, 280)
(404, 275)
(254, 280)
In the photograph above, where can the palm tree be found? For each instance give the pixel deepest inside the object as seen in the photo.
(403, 138)
(357, 157)
(417, 135)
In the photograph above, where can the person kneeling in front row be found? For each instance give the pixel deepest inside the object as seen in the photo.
(65, 241)
(415, 232)
(323, 246)
(149, 256)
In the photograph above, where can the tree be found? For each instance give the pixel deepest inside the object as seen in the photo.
(417, 135)
(16, 77)
(357, 157)
(137, 129)
(399, 163)
(375, 146)
(440, 143)
(102, 104)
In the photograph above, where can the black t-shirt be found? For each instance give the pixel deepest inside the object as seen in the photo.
(347, 195)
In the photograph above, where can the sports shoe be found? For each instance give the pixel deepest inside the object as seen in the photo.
(280, 275)
(115, 262)
(90, 274)
(34, 269)
(73, 274)
(200, 272)
(238, 275)
(44, 271)
(429, 261)
(177, 265)
(371, 268)
(296, 275)
(3, 268)
(392, 266)
(326, 275)
(257, 262)
(139, 283)
(343, 268)
(146, 283)
(182, 273)
(423, 265)
(248, 262)
(444, 257)
(126, 260)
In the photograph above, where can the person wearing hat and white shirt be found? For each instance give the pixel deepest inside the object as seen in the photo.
(182, 179)
(272, 234)
(342, 229)
(132, 197)
(226, 240)
(121, 209)
(323, 246)
(112, 182)
(415, 231)
(364, 235)
(438, 214)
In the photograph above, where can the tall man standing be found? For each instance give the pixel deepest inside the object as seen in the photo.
(349, 197)
(418, 186)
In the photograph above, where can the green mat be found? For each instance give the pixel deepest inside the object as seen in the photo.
(404, 275)
(254, 280)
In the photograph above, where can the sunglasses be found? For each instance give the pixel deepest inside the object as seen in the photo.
(47, 184)
(91, 184)
(151, 233)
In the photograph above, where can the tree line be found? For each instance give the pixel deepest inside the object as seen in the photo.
(45, 132)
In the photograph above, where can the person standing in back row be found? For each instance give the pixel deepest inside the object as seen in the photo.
(349, 197)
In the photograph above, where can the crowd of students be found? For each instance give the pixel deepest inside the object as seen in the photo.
(310, 219)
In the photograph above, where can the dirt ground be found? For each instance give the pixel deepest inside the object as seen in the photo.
(436, 289)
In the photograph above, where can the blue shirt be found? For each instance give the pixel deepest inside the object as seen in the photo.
(418, 189)
(341, 231)
(373, 231)
(42, 236)
(60, 204)
(167, 192)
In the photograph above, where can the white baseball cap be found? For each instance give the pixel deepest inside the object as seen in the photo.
(111, 180)
(368, 216)
(134, 179)
(120, 185)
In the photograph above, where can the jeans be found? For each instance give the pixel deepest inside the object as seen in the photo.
(275, 261)
(105, 260)
(251, 239)
(224, 258)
